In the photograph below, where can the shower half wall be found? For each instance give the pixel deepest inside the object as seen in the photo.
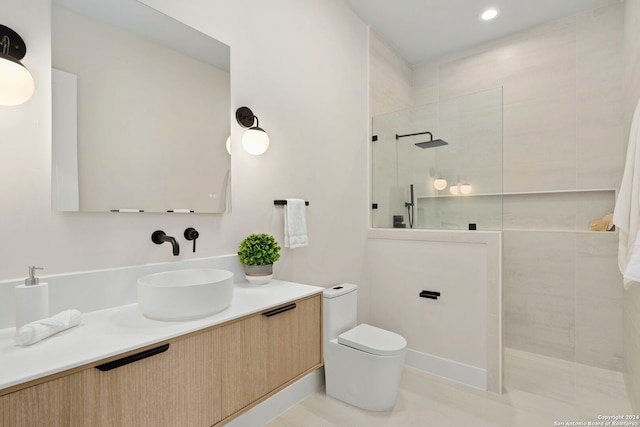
(467, 171)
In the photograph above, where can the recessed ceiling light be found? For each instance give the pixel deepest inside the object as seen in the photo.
(489, 14)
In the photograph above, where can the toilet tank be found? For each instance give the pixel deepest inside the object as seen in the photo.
(340, 306)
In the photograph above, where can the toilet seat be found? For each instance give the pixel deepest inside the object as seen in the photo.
(373, 340)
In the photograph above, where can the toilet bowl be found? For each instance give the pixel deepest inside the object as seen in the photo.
(362, 363)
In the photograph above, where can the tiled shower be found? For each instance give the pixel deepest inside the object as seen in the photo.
(563, 149)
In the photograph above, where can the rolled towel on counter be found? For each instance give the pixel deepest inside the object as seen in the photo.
(43, 328)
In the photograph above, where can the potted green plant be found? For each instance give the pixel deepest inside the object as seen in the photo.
(257, 253)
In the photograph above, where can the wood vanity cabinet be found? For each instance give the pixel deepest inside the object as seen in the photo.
(263, 352)
(169, 388)
(199, 379)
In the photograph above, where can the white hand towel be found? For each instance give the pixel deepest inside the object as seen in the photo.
(295, 224)
(626, 215)
(41, 329)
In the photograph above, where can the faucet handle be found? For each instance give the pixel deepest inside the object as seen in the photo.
(191, 234)
(157, 236)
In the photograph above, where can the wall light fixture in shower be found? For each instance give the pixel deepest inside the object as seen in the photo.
(439, 183)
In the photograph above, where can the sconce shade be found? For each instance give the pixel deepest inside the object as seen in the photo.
(465, 188)
(440, 183)
(255, 140)
(453, 189)
(16, 83)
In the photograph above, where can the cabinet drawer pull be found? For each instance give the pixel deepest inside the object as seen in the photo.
(279, 310)
(133, 358)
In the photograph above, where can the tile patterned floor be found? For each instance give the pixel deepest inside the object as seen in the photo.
(540, 392)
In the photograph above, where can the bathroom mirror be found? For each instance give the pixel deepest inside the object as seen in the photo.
(141, 111)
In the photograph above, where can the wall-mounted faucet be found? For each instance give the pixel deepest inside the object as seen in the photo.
(159, 237)
(191, 234)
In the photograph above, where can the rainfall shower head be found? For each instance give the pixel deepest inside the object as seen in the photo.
(432, 143)
(426, 144)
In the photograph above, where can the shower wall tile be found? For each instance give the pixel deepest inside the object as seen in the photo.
(631, 345)
(390, 78)
(539, 112)
(426, 88)
(538, 281)
(555, 211)
(597, 273)
(599, 93)
(599, 332)
(492, 64)
(631, 64)
(539, 146)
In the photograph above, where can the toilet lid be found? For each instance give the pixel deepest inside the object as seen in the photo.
(373, 340)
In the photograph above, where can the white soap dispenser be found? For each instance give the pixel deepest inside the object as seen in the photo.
(32, 299)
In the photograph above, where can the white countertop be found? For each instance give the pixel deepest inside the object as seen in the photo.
(117, 330)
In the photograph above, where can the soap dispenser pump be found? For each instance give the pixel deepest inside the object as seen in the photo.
(32, 299)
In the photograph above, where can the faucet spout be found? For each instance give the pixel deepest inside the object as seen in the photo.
(159, 237)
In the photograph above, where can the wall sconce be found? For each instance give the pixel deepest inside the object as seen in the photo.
(453, 189)
(16, 83)
(440, 183)
(465, 188)
(255, 140)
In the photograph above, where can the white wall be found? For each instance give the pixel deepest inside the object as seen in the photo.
(301, 67)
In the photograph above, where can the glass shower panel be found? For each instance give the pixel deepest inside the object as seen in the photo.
(471, 164)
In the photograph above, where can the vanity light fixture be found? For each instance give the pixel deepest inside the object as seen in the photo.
(255, 140)
(489, 14)
(453, 189)
(440, 183)
(465, 188)
(16, 83)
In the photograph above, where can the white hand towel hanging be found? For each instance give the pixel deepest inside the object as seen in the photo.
(626, 215)
(295, 224)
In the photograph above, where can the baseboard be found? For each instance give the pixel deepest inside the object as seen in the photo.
(456, 371)
(266, 411)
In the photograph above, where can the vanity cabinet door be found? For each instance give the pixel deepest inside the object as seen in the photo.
(293, 341)
(265, 351)
(243, 363)
(53, 403)
(179, 386)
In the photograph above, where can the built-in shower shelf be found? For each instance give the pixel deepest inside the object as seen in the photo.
(518, 193)
(552, 230)
(564, 211)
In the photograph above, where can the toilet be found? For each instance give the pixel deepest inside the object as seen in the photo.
(362, 363)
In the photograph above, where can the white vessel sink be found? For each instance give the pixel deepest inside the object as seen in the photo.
(185, 294)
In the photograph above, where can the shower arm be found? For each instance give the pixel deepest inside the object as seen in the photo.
(414, 134)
